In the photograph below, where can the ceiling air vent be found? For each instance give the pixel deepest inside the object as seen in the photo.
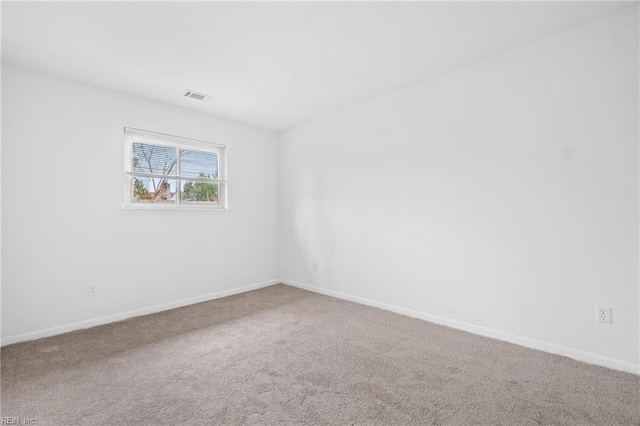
(197, 96)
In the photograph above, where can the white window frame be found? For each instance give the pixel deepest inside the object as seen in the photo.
(178, 143)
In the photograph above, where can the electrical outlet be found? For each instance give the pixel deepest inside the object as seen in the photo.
(315, 267)
(603, 314)
(92, 290)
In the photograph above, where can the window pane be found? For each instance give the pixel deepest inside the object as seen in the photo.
(199, 192)
(154, 159)
(153, 190)
(198, 164)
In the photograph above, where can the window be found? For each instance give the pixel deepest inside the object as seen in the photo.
(169, 172)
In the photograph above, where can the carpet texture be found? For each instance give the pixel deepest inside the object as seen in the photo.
(281, 355)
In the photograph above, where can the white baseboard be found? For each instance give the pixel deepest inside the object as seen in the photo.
(32, 335)
(483, 331)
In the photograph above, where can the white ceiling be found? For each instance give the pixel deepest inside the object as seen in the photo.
(273, 65)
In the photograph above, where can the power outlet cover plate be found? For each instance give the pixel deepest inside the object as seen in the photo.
(603, 314)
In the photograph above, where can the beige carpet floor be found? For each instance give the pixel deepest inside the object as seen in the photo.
(281, 355)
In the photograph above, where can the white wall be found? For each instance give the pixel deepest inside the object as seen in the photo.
(503, 195)
(63, 226)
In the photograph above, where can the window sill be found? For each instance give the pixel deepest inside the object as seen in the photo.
(165, 208)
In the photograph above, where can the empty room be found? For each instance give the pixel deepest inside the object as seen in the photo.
(320, 213)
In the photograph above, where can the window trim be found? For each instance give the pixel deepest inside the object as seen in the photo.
(178, 143)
